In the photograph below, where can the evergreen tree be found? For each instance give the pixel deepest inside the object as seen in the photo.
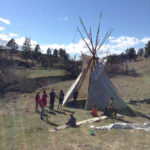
(55, 53)
(26, 49)
(13, 45)
(131, 54)
(147, 50)
(140, 51)
(49, 54)
(36, 52)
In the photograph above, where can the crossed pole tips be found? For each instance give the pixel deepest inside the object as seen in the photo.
(94, 48)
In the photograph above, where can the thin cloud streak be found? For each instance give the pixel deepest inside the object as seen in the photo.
(2, 28)
(6, 21)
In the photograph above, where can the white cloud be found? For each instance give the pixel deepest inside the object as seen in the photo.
(115, 45)
(63, 18)
(21, 40)
(2, 28)
(4, 20)
(4, 37)
(145, 40)
(72, 48)
(13, 34)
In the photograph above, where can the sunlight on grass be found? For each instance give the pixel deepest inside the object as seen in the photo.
(22, 129)
(41, 73)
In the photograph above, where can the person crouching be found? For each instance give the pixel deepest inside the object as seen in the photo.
(94, 112)
(72, 121)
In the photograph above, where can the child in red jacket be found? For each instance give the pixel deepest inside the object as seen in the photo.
(41, 103)
(94, 111)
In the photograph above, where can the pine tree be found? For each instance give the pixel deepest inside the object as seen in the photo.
(26, 49)
(13, 45)
(36, 52)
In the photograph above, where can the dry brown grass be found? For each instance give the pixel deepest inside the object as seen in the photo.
(22, 129)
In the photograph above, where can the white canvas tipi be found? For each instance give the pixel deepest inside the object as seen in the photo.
(93, 84)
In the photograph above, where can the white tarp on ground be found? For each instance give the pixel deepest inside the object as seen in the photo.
(137, 126)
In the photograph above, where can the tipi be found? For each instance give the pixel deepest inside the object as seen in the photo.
(93, 84)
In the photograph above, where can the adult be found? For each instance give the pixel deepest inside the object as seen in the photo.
(61, 98)
(37, 97)
(72, 121)
(52, 95)
(44, 97)
(75, 96)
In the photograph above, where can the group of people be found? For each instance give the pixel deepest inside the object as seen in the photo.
(42, 101)
(109, 111)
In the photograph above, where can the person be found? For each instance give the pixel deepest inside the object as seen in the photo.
(52, 99)
(111, 109)
(44, 97)
(61, 98)
(105, 113)
(41, 103)
(72, 121)
(75, 96)
(37, 97)
(94, 111)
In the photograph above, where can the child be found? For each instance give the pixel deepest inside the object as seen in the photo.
(37, 97)
(61, 98)
(105, 113)
(72, 121)
(41, 103)
(94, 111)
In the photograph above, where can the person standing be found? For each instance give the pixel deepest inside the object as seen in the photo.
(41, 103)
(75, 96)
(37, 97)
(44, 97)
(52, 95)
(61, 98)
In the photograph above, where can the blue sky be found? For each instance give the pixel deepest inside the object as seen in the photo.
(52, 23)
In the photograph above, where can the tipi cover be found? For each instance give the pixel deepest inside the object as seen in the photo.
(94, 86)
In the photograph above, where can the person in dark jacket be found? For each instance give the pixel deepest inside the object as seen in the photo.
(37, 97)
(72, 121)
(112, 111)
(44, 97)
(75, 96)
(52, 95)
(61, 98)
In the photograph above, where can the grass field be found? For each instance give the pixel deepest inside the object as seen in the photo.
(22, 129)
(42, 73)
